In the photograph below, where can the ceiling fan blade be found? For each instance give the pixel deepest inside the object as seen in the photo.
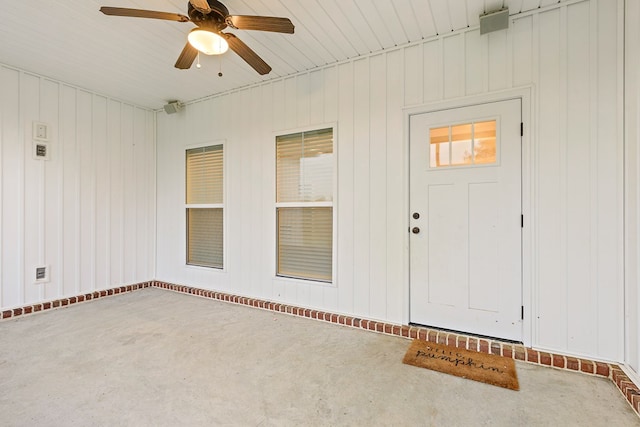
(260, 23)
(247, 54)
(201, 6)
(186, 58)
(139, 13)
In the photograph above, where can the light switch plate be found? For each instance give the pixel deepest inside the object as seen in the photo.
(40, 131)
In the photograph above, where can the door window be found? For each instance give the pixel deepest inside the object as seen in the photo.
(464, 144)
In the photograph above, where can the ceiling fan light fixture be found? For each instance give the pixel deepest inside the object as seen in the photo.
(207, 42)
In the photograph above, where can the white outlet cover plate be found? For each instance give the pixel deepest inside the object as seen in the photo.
(40, 131)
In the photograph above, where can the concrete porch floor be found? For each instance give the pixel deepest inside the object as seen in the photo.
(155, 357)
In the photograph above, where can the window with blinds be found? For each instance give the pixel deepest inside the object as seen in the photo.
(304, 205)
(205, 206)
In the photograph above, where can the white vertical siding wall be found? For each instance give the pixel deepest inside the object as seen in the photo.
(89, 212)
(570, 55)
(632, 185)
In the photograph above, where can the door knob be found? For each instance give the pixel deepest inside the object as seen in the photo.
(416, 215)
(415, 230)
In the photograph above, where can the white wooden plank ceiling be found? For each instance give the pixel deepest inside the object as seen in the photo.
(132, 58)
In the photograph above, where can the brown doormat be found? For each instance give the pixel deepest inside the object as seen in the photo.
(486, 368)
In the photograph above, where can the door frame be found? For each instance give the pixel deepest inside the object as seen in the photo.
(528, 191)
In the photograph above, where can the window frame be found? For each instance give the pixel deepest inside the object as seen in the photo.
(222, 206)
(278, 279)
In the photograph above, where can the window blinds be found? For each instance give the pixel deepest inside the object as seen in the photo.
(205, 237)
(204, 175)
(304, 194)
(305, 166)
(204, 210)
(304, 242)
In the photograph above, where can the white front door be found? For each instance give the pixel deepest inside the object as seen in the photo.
(465, 225)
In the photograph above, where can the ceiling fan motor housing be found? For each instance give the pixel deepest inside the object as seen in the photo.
(216, 19)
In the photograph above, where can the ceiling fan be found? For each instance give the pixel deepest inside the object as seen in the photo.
(211, 17)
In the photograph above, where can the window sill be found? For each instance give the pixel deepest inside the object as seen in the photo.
(299, 282)
(205, 268)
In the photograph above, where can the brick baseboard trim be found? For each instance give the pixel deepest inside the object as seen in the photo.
(627, 387)
(64, 302)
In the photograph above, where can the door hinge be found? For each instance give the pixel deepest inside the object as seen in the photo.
(521, 129)
(521, 221)
(522, 312)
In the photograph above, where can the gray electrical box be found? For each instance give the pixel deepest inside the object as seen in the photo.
(173, 107)
(494, 21)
